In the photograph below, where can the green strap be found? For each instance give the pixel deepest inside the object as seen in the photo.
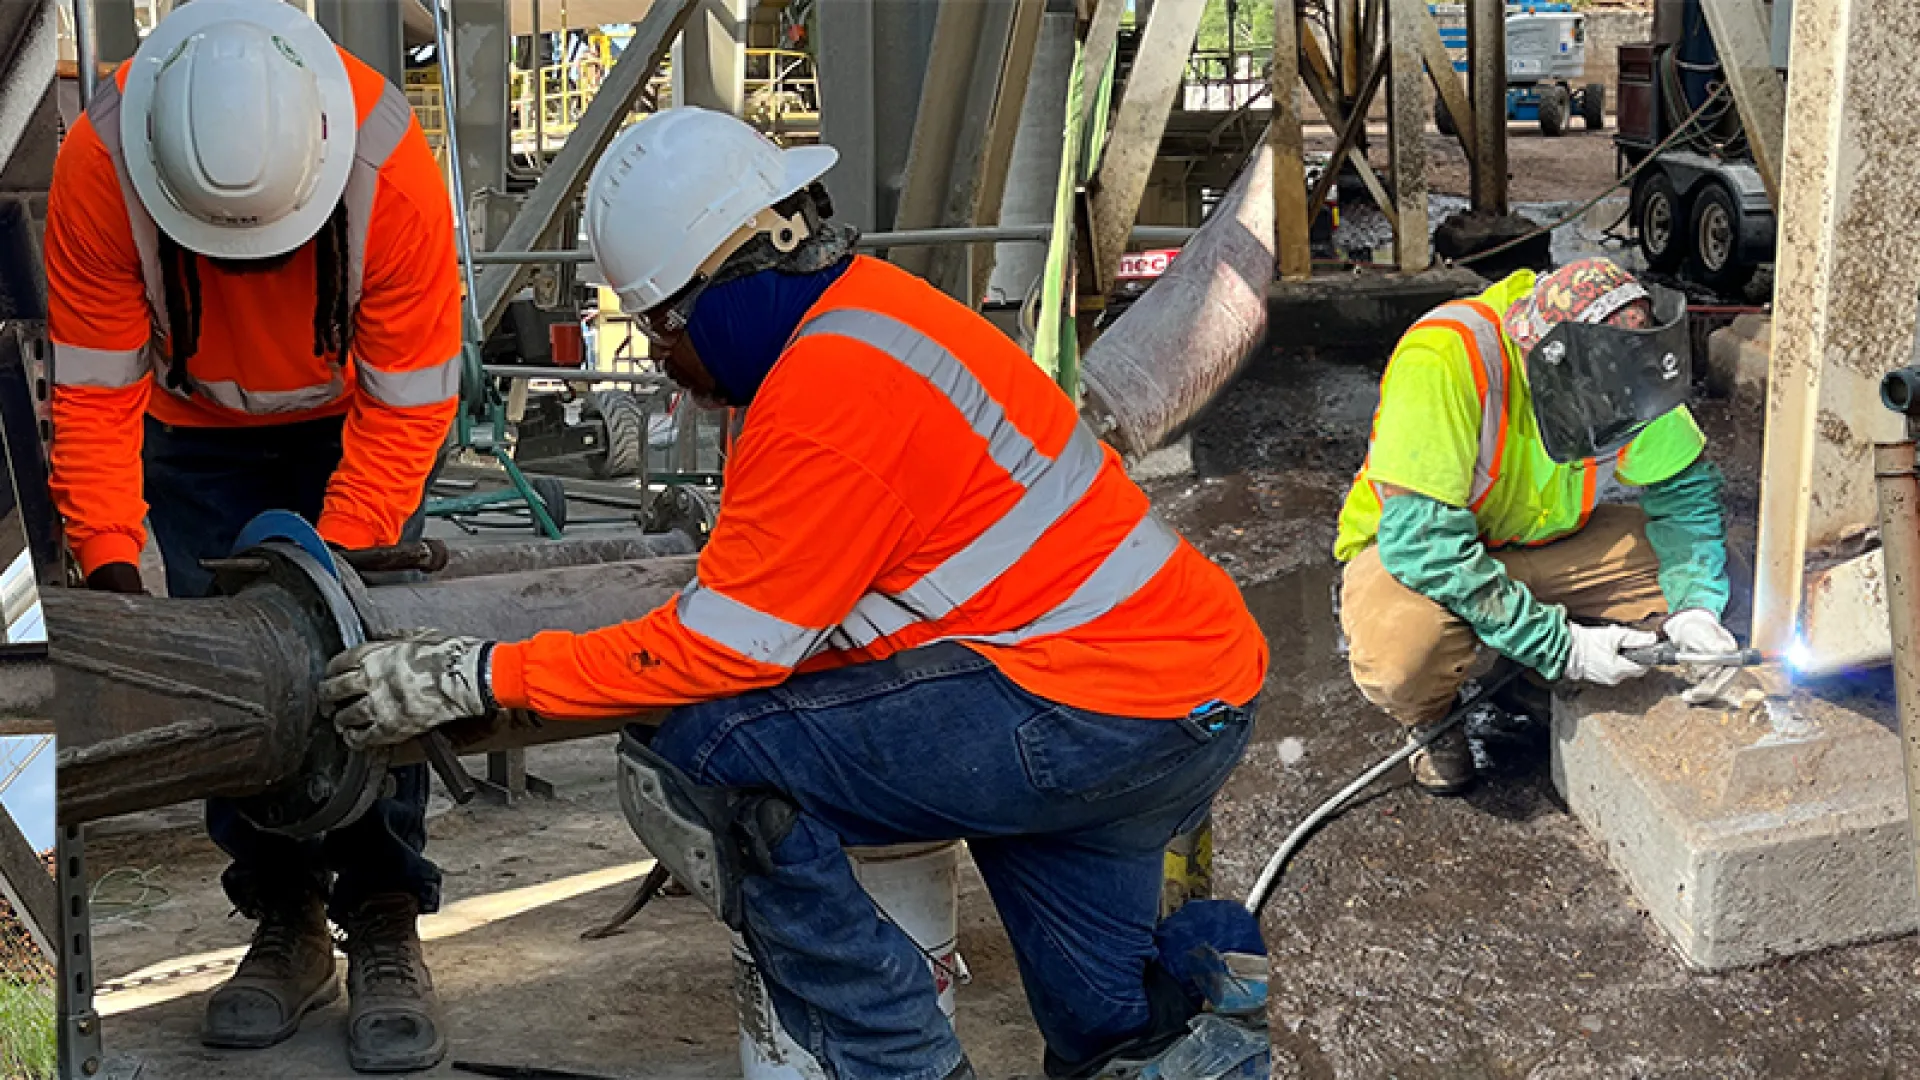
(1056, 344)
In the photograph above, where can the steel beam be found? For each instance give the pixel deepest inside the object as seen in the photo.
(1034, 168)
(1845, 278)
(28, 79)
(1743, 35)
(481, 48)
(872, 57)
(1293, 242)
(1487, 87)
(1319, 77)
(372, 30)
(1009, 101)
(28, 886)
(1406, 132)
(950, 135)
(710, 57)
(116, 32)
(1445, 82)
(1128, 159)
(561, 184)
(1103, 36)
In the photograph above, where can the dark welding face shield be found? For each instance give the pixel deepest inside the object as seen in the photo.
(1595, 387)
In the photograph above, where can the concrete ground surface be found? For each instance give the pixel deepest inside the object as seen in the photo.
(1483, 937)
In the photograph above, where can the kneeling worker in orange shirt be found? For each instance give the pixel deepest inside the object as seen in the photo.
(256, 306)
(934, 607)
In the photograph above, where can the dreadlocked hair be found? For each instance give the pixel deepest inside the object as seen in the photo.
(332, 317)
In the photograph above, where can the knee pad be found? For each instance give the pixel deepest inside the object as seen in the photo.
(710, 838)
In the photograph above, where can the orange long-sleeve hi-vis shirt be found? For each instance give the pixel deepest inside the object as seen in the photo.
(256, 363)
(908, 475)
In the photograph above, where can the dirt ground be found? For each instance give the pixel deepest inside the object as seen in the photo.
(1573, 167)
(1483, 937)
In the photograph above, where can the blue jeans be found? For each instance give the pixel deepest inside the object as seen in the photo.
(1067, 814)
(203, 485)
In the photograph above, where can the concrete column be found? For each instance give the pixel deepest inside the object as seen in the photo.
(1035, 166)
(481, 45)
(1846, 276)
(871, 56)
(710, 59)
(369, 29)
(1293, 245)
(1487, 87)
(1406, 131)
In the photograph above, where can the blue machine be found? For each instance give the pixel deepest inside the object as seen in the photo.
(1546, 56)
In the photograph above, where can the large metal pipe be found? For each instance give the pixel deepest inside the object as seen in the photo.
(1183, 341)
(162, 701)
(574, 549)
(1898, 483)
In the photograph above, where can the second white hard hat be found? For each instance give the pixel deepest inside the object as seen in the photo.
(676, 189)
(238, 125)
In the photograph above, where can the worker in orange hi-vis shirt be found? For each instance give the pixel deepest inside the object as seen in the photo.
(255, 305)
(933, 607)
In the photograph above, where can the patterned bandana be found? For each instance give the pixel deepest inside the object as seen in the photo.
(1588, 291)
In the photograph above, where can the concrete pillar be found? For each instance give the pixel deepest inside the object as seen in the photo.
(871, 56)
(1293, 247)
(1846, 275)
(1035, 166)
(369, 29)
(1487, 87)
(710, 58)
(1406, 132)
(481, 45)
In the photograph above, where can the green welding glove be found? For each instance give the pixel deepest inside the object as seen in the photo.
(1435, 550)
(386, 692)
(1688, 532)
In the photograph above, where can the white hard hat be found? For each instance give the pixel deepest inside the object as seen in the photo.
(239, 125)
(677, 189)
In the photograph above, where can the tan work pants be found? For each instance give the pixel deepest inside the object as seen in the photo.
(1410, 655)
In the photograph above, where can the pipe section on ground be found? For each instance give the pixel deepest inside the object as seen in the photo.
(1184, 340)
(163, 701)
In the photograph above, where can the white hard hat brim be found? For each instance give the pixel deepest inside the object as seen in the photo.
(337, 104)
(804, 165)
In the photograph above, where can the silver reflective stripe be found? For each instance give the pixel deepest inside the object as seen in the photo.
(1006, 444)
(233, 396)
(104, 113)
(1493, 408)
(748, 631)
(1121, 574)
(403, 389)
(1053, 485)
(110, 368)
(379, 136)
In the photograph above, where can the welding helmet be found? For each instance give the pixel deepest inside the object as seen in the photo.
(1597, 386)
(239, 127)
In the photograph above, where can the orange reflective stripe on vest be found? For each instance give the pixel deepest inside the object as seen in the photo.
(378, 136)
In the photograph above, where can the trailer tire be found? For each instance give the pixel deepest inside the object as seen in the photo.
(1442, 119)
(626, 422)
(1658, 218)
(1593, 106)
(1713, 240)
(554, 495)
(1556, 108)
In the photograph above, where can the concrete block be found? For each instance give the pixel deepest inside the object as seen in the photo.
(1748, 833)
(1737, 357)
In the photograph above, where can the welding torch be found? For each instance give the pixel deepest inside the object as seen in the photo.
(1667, 654)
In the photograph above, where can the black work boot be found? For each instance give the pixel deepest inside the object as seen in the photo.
(393, 1020)
(287, 972)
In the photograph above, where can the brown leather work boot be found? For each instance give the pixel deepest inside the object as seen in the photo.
(393, 1022)
(287, 972)
(1445, 765)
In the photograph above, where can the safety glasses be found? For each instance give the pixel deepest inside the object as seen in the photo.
(664, 324)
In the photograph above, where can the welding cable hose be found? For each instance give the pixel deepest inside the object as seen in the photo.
(1417, 741)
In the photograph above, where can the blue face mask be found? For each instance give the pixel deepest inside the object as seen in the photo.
(739, 328)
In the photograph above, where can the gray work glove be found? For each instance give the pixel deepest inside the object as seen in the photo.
(1593, 654)
(1697, 630)
(386, 692)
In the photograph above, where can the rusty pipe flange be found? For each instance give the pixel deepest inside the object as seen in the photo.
(334, 784)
